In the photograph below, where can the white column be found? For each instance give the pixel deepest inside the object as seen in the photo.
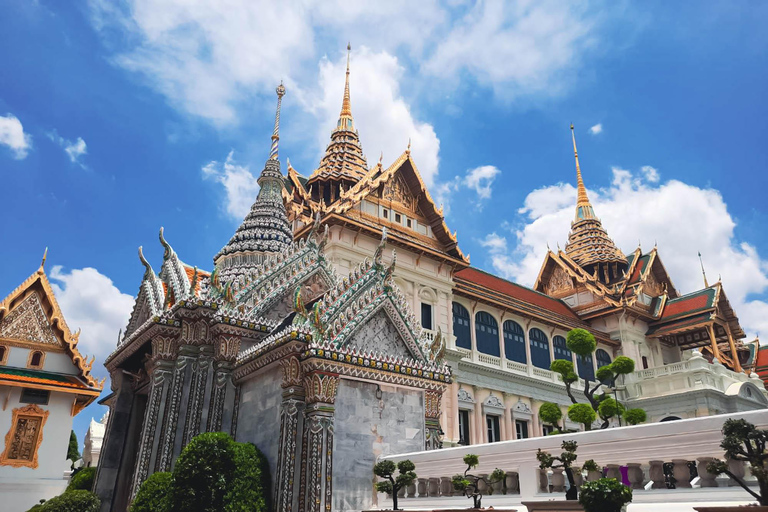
(472, 334)
(528, 348)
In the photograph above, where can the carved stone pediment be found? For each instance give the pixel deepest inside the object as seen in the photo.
(559, 282)
(28, 322)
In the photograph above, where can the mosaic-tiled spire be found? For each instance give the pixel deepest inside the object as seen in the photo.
(588, 242)
(343, 159)
(265, 230)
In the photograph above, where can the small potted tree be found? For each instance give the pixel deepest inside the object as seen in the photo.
(468, 484)
(743, 442)
(604, 495)
(392, 483)
(592, 469)
(565, 461)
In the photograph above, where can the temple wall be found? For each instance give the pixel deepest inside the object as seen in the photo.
(366, 428)
(258, 419)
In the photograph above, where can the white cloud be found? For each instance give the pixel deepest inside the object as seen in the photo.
(501, 259)
(91, 302)
(683, 219)
(241, 186)
(598, 128)
(517, 48)
(382, 116)
(480, 179)
(651, 174)
(12, 135)
(74, 149)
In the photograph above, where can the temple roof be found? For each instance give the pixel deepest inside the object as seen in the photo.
(343, 158)
(266, 228)
(588, 241)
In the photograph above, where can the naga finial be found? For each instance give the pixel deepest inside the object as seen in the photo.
(194, 282)
(380, 249)
(298, 302)
(166, 245)
(144, 260)
(437, 349)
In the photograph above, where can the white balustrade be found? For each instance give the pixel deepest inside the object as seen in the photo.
(489, 359)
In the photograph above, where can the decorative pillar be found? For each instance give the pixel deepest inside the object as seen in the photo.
(713, 340)
(528, 347)
(170, 426)
(317, 444)
(290, 409)
(736, 467)
(656, 473)
(433, 431)
(507, 419)
(635, 475)
(160, 372)
(734, 355)
(681, 473)
(225, 353)
(613, 471)
(200, 370)
(479, 434)
(707, 479)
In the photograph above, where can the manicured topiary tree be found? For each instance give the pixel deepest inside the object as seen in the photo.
(73, 501)
(551, 414)
(82, 480)
(393, 483)
(582, 413)
(582, 343)
(742, 441)
(635, 416)
(604, 495)
(565, 461)
(468, 484)
(73, 452)
(154, 494)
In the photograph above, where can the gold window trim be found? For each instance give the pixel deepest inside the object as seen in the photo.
(42, 360)
(30, 411)
(4, 359)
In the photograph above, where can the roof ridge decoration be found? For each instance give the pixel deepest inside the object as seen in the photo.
(150, 299)
(56, 321)
(343, 158)
(588, 241)
(265, 229)
(173, 274)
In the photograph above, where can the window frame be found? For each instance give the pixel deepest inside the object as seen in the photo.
(4, 357)
(487, 330)
(431, 309)
(511, 347)
(524, 432)
(27, 400)
(464, 426)
(461, 319)
(32, 356)
(493, 427)
(30, 411)
(537, 350)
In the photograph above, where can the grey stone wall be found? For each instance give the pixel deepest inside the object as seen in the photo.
(380, 335)
(258, 420)
(365, 428)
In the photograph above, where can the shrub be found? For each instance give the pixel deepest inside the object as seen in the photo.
(73, 501)
(590, 465)
(604, 375)
(582, 413)
(744, 442)
(393, 483)
(468, 484)
(154, 494)
(82, 480)
(73, 453)
(550, 413)
(635, 416)
(249, 490)
(622, 365)
(565, 461)
(609, 408)
(581, 342)
(604, 495)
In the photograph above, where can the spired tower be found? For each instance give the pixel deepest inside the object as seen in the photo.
(265, 230)
(588, 242)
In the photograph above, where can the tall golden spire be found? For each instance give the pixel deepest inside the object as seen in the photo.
(346, 106)
(583, 207)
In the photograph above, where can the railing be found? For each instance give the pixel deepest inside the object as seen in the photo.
(514, 365)
(656, 460)
(488, 359)
(544, 374)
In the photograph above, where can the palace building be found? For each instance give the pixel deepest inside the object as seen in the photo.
(342, 322)
(44, 382)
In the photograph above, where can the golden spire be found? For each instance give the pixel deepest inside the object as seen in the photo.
(45, 255)
(583, 207)
(346, 106)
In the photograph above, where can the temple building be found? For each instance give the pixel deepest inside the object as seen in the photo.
(342, 322)
(44, 382)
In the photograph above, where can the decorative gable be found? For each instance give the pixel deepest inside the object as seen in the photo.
(29, 323)
(380, 335)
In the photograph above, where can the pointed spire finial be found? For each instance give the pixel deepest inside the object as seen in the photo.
(381, 157)
(408, 149)
(346, 105)
(703, 273)
(276, 132)
(45, 255)
(582, 199)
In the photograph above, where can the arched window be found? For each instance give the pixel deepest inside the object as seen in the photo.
(561, 349)
(645, 363)
(461, 326)
(585, 368)
(514, 342)
(603, 359)
(487, 334)
(35, 360)
(539, 348)
(3, 354)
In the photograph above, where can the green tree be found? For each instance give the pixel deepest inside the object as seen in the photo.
(565, 461)
(154, 494)
(604, 495)
(742, 441)
(635, 416)
(82, 480)
(582, 413)
(468, 484)
(551, 414)
(72, 501)
(73, 452)
(393, 483)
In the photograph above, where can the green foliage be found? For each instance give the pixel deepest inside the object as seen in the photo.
(154, 494)
(635, 416)
(622, 365)
(604, 495)
(582, 413)
(604, 374)
(73, 453)
(82, 480)
(580, 342)
(742, 441)
(72, 501)
(214, 473)
(393, 483)
(565, 370)
(460, 483)
(38, 507)
(609, 408)
(590, 465)
(550, 413)
(471, 460)
(565, 460)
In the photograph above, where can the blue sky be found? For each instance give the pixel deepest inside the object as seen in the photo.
(118, 119)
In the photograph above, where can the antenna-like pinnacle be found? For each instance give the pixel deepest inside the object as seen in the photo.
(276, 132)
(346, 105)
(703, 273)
(45, 256)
